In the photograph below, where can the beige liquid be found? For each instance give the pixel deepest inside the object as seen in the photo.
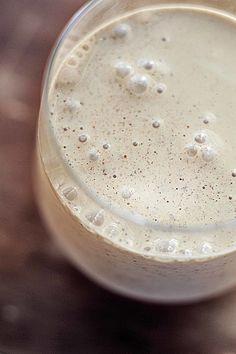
(143, 111)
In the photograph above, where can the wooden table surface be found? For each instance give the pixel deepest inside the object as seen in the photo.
(46, 306)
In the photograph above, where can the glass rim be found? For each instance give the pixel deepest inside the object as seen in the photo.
(128, 216)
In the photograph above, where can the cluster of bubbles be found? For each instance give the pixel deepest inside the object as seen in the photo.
(68, 75)
(200, 146)
(165, 246)
(93, 153)
(159, 246)
(117, 234)
(136, 81)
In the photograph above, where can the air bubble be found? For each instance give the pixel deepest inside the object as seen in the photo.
(93, 155)
(72, 62)
(135, 143)
(200, 138)
(234, 173)
(83, 138)
(96, 218)
(165, 39)
(209, 117)
(161, 88)
(138, 83)
(191, 150)
(208, 154)
(73, 105)
(147, 64)
(156, 124)
(127, 192)
(106, 146)
(206, 248)
(77, 209)
(147, 249)
(127, 241)
(166, 246)
(70, 193)
(123, 69)
(112, 231)
(188, 253)
(121, 30)
(86, 47)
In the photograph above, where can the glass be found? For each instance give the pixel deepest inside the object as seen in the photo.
(162, 277)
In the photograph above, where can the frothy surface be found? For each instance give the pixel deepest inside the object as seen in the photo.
(144, 114)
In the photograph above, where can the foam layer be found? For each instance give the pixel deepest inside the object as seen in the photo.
(144, 114)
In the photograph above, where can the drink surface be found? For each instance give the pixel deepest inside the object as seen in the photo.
(143, 111)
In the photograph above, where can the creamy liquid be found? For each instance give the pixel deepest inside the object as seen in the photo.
(143, 111)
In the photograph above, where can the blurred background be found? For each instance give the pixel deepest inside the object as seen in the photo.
(46, 306)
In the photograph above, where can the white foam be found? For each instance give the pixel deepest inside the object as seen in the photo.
(166, 158)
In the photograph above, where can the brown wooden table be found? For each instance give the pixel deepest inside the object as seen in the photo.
(46, 306)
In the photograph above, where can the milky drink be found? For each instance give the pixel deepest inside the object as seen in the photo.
(143, 114)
